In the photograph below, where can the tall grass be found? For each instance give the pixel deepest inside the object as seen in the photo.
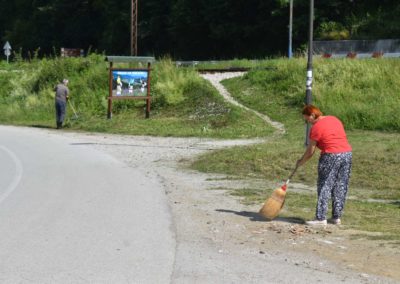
(170, 82)
(183, 104)
(28, 94)
(364, 93)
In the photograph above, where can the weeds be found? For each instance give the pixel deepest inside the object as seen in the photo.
(183, 104)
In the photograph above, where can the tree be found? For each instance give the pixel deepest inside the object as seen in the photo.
(190, 29)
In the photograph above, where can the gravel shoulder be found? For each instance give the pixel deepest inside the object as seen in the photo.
(221, 240)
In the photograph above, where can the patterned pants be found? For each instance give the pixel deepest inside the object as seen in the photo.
(333, 180)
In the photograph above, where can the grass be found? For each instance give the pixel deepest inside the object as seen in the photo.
(183, 104)
(170, 125)
(359, 215)
(375, 163)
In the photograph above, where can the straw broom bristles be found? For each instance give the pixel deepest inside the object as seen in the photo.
(274, 204)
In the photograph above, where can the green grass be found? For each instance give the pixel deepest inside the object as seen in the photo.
(171, 125)
(183, 104)
(375, 163)
(359, 215)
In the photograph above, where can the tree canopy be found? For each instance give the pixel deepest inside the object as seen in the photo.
(190, 29)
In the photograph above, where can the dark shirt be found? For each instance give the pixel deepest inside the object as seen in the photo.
(62, 92)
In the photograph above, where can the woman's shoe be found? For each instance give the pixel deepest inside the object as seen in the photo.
(316, 223)
(336, 221)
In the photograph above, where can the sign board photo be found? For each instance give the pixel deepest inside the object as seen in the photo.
(129, 82)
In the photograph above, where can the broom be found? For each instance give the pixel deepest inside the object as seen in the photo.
(274, 204)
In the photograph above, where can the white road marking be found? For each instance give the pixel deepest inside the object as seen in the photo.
(17, 176)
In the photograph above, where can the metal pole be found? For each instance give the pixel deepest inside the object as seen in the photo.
(290, 28)
(308, 99)
(109, 109)
(134, 15)
(148, 100)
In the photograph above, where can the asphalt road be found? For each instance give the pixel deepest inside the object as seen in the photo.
(71, 214)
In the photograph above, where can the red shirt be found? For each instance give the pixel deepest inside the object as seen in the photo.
(330, 136)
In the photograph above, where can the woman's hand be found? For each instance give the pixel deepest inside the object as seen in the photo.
(307, 154)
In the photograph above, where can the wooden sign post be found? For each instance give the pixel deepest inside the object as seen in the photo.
(128, 83)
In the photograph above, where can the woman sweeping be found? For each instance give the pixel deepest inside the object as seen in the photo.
(334, 166)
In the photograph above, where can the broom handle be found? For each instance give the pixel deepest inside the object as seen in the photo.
(292, 174)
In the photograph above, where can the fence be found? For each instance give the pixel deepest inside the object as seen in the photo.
(72, 52)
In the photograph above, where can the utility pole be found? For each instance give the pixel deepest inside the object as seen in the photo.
(134, 15)
(290, 53)
(308, 99)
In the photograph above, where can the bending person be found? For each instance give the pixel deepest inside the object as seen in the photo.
(334, 166)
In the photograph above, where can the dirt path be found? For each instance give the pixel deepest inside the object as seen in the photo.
(216, 78)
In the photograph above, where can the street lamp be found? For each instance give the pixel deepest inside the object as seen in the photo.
(308, 99)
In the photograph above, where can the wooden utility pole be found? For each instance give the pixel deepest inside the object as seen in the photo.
(134, 15)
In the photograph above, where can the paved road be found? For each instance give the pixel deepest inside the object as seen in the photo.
(71, 214)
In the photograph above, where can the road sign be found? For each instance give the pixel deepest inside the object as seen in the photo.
(7, 50)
